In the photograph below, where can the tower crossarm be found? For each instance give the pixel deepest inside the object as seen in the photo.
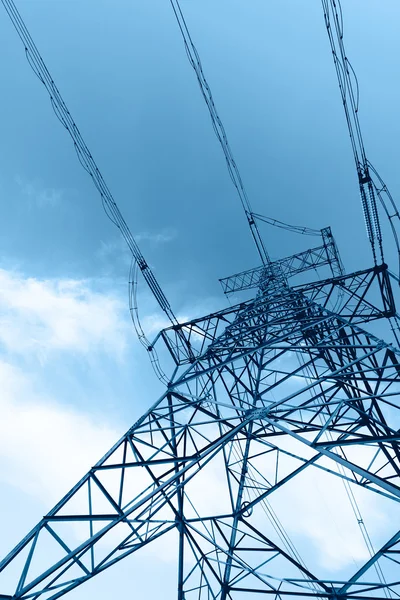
(325, 254)
(358, 297)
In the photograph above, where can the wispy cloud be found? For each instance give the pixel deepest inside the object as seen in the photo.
(160, 237)
(38, 195)
(117, 249)
(109, 248)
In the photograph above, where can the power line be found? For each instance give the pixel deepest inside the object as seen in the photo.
(84, 155)
(349, 90)
(219, 129)
(287, 226)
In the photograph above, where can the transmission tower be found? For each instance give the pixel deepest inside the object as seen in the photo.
(286, 382)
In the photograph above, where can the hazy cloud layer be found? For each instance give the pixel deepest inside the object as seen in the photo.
(41, 316)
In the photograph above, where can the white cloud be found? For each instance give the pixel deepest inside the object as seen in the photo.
(45, 447)
(41, 316)
(316, 507)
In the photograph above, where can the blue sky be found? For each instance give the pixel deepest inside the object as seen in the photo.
(74, 376)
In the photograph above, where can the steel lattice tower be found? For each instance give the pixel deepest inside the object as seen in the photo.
(282, 365)
(282, 383)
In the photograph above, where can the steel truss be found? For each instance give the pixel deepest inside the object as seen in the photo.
(272, 387)
(261, 393)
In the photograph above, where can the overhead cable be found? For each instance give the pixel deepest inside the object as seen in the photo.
(85, 157)
(219, 128)
(292, 228)
(349, 90)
